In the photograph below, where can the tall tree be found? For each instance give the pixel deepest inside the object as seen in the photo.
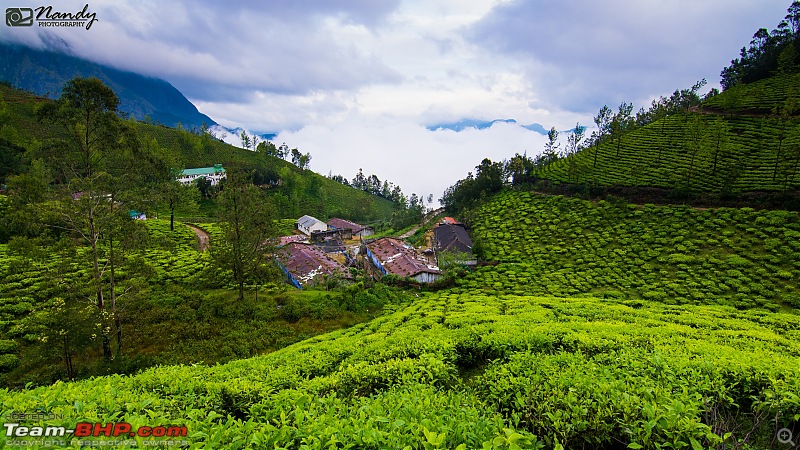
(551, 147)
(245, 139)
(620, 123)
(101, 170)
(249, 223)
(602, 121)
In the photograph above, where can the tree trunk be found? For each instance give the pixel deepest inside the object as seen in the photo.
(171, 215)
(68, 359)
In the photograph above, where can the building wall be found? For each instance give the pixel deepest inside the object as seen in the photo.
(319, 226)
(426, 277)
(365, 232)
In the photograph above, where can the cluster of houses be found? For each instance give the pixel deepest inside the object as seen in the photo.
(324, 250)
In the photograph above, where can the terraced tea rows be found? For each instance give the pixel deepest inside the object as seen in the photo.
(694, 152)
(475, 371)
(561, 246)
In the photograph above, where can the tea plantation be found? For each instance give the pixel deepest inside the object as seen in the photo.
(602, 325)
(742, 140)
(674, 254)
(476, 371)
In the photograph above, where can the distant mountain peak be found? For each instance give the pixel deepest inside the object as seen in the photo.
(44, 72)
(480, 124)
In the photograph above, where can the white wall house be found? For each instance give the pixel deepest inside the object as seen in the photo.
(213, 174)
(308, 225)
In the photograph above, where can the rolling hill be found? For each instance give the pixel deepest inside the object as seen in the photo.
(296, 191)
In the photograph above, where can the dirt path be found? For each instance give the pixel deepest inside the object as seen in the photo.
(202, 238)
(425, 219)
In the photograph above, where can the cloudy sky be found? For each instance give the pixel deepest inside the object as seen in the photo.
(358, 83)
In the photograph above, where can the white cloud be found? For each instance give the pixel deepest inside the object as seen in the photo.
(418, 160)
(582, 54)
(355, 81)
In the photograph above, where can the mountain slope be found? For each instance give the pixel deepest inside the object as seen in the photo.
(295, 191)
(45, 72)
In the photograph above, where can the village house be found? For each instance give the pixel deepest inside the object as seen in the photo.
(356, 229)
(308, 225)
(212, 174)
(305, 264)
(450, 238)
(392, 256)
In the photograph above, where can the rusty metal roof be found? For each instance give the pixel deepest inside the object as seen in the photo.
(345, 224)
(399, 258)
(306, 262)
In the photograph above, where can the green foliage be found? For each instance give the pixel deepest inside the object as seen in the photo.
(497, 372)
(695, 152)
(562, 246)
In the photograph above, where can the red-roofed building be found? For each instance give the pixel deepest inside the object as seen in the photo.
(357, 230)
(393, 256)
(305, 264)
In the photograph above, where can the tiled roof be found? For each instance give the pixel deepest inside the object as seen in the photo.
(452, 238)
(399, 258)
(306, 262)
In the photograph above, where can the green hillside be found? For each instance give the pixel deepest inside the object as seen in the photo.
(742, 140)
(297, 191)
(170, 286)
(677, 255)
(601, 326)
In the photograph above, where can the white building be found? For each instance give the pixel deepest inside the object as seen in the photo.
(308, 225)
(212, 174)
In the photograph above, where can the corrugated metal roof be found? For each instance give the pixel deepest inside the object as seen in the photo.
(452, 238)
(306, 262)
(309, 221)
(399, 258)
(343, 224)
(203, 171)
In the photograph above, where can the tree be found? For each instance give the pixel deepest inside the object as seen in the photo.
(299, 159)
(101, 172)
(574, 139)
(268, 148)
(603, 122)
(793, 17)
(552, 145)
(249, 222)
(620, 123)
(203, 185)
(178, 195)
(245, 139)
(694, 145)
